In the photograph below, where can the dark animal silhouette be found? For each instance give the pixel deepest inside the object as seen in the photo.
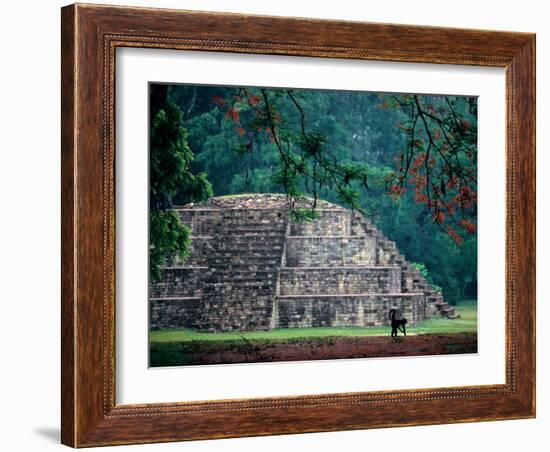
(397, 324)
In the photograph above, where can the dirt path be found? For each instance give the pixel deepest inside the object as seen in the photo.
(242, 351)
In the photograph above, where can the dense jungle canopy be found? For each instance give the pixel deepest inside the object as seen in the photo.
(408, 162)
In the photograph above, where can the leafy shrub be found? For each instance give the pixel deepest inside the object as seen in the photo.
(426, 275)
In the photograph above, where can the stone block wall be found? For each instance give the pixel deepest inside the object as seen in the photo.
(346, 311)
(179, 312)
(320, 251)
(202, 221)
(179, 282)
(334, 280)
(330, 222)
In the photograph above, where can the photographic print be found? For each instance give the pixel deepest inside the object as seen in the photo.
(302, 224)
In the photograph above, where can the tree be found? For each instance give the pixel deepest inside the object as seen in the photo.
(440, 160)
(309, 143)
(306, 168)
(170, 159)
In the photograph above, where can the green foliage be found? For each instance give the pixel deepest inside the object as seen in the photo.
(169, 239)
(426, 275)
(170, 158)
(169, 175)
(304, 214)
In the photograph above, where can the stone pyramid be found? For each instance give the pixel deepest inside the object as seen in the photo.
(254, 268)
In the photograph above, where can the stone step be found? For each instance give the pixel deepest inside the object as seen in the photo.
(243, 251)
(448, 313)
(199, 222)
(247, 247)
(261, 276)
(252, 233)
(267, 226)
(386, 244)
(239, 237)
(352, 295)
(246, 242)
(240, 261)
(175, 299)
(232, 292)
(272, 223)
(446, 310)
(234, 232)
(341, 280)
(434, 299)
(232, 281)
(453, 316)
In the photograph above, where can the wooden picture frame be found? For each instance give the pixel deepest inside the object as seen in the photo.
(90, 36)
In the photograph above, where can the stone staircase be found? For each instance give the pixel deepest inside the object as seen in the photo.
(412, 279)
(242, 274)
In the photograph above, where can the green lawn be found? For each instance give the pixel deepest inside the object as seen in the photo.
(466, 324)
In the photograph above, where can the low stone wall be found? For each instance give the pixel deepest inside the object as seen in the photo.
(235, 313)
(329, 251)
(178, 282)
(347, 310)
(342, 280)
(174, 313)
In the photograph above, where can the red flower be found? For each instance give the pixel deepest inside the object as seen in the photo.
(233, 113)
(218, 100)
(254, 100)
(468, 226)
(439, 217)
(464, 125)
(396, 190)
(454, 235)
